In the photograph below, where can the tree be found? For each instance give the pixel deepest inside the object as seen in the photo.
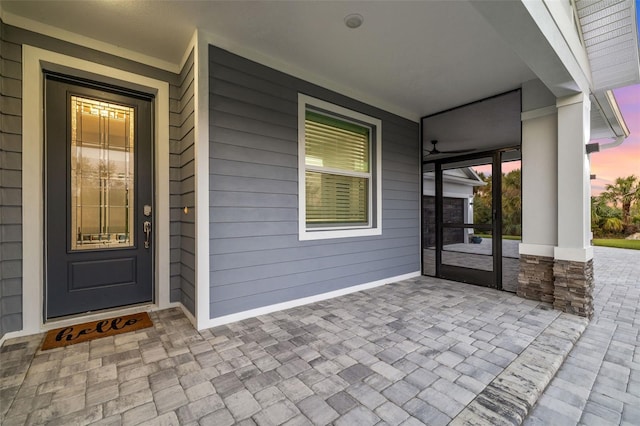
(624, 192)
(601, 211)
(482, 202)
(511, 202)
(612, 225)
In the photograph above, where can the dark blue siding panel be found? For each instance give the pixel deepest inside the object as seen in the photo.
(256, 258)
(10, 185)
(182, 187)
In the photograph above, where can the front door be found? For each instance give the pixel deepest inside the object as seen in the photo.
(99, 252)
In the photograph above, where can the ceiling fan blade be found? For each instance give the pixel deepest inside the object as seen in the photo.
(436, 151)
(457, 151)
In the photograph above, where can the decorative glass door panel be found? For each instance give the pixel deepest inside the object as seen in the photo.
(102, 174)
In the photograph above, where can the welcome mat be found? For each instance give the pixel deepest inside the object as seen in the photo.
(66, 336)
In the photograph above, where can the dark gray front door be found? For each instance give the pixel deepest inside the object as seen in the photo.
(98, 198)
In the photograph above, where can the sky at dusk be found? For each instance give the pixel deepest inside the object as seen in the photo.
(624, 160)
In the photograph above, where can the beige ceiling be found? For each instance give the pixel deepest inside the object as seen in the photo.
(415, 58)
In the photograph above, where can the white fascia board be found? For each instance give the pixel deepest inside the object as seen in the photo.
(563, 39)
(465, 181)
(529, 28)
(608, 106)
(455, 179)
(562, 15)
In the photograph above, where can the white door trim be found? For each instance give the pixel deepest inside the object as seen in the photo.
(33, 177)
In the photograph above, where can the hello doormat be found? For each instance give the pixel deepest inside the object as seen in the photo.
(94, 330)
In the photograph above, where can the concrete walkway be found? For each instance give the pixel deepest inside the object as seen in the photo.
(422, 351)
(599, 383)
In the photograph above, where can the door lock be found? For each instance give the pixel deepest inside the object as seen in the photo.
(146, 228)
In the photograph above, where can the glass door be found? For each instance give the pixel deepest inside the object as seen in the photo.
(465, 221)
(511, 217)
(471, 219)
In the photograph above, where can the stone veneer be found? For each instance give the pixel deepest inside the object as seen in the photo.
(535, 280)
(574, 287)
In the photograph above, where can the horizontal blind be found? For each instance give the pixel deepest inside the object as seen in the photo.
(333, 199)
(336, 144)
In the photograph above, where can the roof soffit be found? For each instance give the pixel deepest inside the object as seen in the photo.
(610, 36)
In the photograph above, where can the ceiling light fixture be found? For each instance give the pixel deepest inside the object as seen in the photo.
(353, 20)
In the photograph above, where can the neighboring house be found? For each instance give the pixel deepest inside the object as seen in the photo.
(458, 185)
(159, 154)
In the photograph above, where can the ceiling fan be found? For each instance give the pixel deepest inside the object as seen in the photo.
(436, 151)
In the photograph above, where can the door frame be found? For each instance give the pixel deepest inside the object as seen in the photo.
(492, 279)
(495, 276)
(33, 214)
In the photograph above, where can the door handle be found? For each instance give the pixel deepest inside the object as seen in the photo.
(147, 233)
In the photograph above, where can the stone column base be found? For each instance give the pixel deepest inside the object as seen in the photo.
(574, 287)
(535, 280)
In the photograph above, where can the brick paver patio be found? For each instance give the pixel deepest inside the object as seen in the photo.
(599, 383)
(422, 351)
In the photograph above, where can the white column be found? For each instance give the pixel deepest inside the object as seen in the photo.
(202, 273)
(539, 199)
(539, 182)
(574, 191)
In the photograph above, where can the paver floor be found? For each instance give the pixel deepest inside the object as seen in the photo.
(599, 382)
(421, 351)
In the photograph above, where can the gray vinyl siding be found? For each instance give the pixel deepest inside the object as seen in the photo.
(182, 183)
(12, 39)
(256, 258)
(10, 185)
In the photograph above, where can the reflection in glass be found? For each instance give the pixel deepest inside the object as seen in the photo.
(102, 174)
(477, 253)
(511, 219)
(429, 224)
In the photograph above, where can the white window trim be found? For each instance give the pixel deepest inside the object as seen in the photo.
(375, 220)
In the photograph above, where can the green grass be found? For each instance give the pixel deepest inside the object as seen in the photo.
(504, 237)
(617, 243)
(602, 242)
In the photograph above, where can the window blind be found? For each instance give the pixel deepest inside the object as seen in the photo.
(337, 158)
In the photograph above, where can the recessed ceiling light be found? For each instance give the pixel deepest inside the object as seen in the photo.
(353, 20)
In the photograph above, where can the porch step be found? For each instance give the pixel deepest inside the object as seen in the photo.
(509, 398)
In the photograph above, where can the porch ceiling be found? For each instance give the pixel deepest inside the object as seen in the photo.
(412, 58)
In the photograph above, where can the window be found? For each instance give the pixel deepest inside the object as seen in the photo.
(339, 171)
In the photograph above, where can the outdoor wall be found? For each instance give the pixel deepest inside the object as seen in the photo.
(255, 256)
(182, 187)
(10, 185)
